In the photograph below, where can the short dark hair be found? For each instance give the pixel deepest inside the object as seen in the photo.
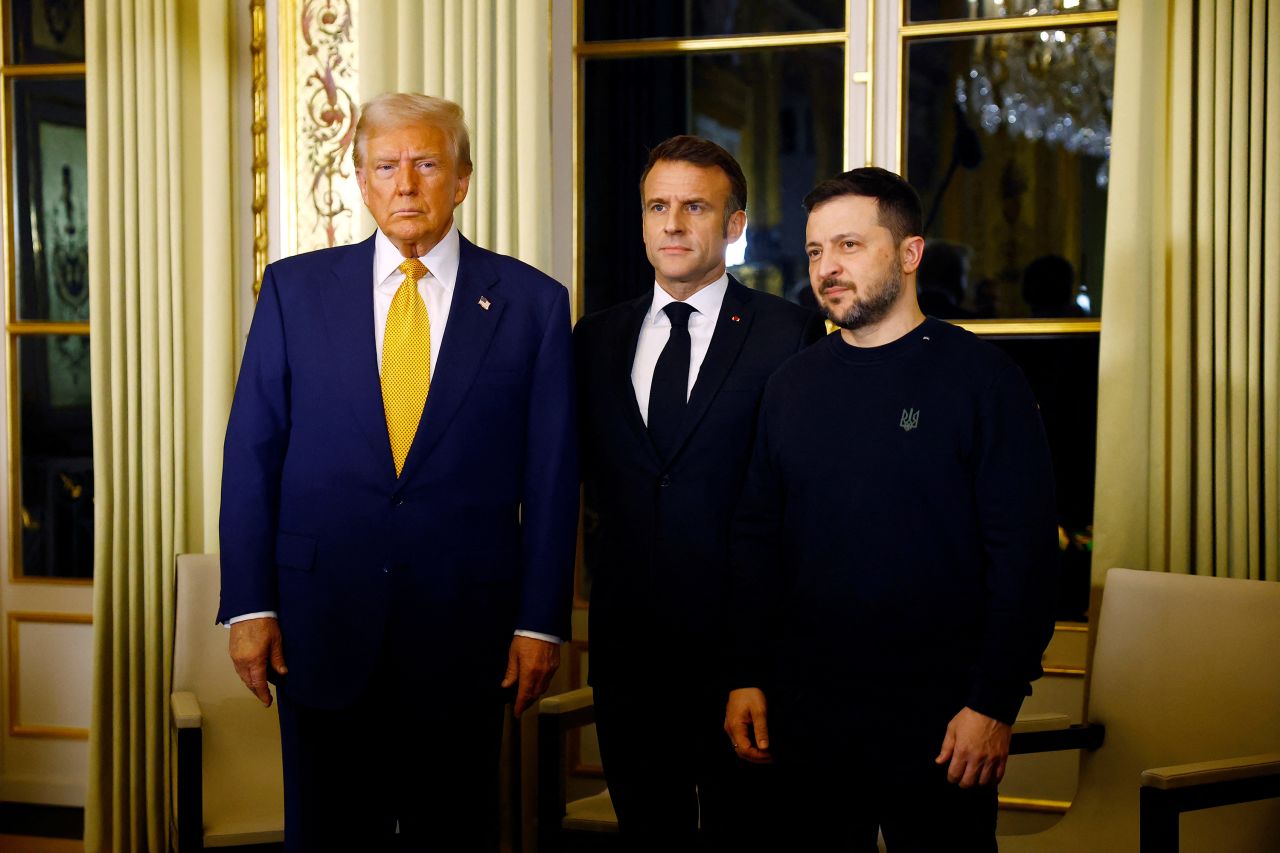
(1049, 280)
(705, 153)
(897, 204)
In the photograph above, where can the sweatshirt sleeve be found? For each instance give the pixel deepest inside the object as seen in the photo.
(1016, 513)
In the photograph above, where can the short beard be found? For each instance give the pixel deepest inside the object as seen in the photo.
(866, 311)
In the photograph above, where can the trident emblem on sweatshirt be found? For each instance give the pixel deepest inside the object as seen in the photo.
(910, 419)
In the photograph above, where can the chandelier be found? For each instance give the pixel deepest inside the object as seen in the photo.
(1053, 85)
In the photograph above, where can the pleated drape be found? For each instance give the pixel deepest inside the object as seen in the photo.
(492, 57)
(1188, 406)
(159, 83)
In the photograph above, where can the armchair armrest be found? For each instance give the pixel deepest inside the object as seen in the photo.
(187, 818)
(1041, 723)
(1167, 792)
(557, 716)
(1049, 736)
(1181, 776)
(568, 710)
(185, 709)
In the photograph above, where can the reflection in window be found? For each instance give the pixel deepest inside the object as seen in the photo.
(45, 31)
(1008, 137)
(51, 188)
(609, 19)
(943, 10)
(1063, 373)
(779, 112)
(56, 490)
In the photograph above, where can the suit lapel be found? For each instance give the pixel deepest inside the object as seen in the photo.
(347, 303)
(620, 374)
(726, 342)
(467, 336)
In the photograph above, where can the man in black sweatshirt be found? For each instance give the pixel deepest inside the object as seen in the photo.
(894, 551)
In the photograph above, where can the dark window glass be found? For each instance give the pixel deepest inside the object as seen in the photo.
(947, 10)
(609, 19)
(1063, 373)
(1007, 141)
(779, 112)
(46, 31)
(56, 510)
(51, 189)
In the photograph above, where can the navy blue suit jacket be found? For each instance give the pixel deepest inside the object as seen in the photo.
(432, 570)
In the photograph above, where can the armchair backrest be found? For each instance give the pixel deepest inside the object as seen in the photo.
(1186, 668)
(200, 661)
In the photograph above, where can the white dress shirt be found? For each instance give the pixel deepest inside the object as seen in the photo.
(436, 290)
(656, 329)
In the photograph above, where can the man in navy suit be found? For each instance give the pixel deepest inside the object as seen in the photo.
(669, 387)
(399, 503)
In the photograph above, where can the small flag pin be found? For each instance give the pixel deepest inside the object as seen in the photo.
(485, 303)
(735, 318)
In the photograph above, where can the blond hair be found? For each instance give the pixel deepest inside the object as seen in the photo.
(398, 109)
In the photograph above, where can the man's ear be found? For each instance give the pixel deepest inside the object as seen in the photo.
(460, 192)
(737, 224)
(363, 180)
(912, 252)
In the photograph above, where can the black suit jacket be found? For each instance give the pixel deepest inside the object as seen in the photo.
(656, 533)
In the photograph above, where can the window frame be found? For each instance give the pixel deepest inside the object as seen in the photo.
(900, 33)
(16, 329)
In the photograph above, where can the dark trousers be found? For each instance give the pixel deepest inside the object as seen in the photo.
(351, 776)
(855, 762)
(671, 770)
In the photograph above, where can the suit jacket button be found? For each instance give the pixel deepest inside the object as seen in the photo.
(397, 500)
(386, 568)
(665, 481)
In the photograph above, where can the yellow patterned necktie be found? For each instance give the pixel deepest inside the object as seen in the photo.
(406, 362)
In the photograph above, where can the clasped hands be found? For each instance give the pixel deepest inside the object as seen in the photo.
(256, 644)
(975, 747)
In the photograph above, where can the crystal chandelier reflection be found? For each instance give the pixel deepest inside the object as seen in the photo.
(1052, 85)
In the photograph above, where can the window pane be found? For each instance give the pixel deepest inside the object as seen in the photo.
(779, 112)
(1007, 141)
(947, 10)
(609, 19)
(56, 453)
(46, 31)
(1063, 373)
(51, 189)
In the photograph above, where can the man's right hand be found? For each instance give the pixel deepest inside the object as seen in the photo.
(255, 644)
(744, 716)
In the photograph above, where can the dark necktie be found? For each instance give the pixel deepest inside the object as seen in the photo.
(669, 393)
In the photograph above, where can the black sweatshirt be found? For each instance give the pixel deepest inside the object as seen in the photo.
(898, 522)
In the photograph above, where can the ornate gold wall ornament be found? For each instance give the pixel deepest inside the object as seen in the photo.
(258, 50)
(324, 111)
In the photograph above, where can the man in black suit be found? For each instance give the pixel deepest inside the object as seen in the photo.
(669, 386)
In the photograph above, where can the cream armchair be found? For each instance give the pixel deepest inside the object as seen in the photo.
(227, 788)
(1185, 677)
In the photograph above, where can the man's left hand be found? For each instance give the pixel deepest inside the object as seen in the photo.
(977, 747)
(530, 664)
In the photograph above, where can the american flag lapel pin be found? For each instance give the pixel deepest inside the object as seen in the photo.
(485, 303)
(736, 319)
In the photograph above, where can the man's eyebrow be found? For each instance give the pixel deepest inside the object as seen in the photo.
(414, 156)
(664, 200)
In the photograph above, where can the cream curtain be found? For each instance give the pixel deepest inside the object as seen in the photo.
(1188, 405)
(493, 58)
(159, 76)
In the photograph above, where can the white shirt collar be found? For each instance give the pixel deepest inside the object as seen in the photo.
(706, 301)
(441, 261)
